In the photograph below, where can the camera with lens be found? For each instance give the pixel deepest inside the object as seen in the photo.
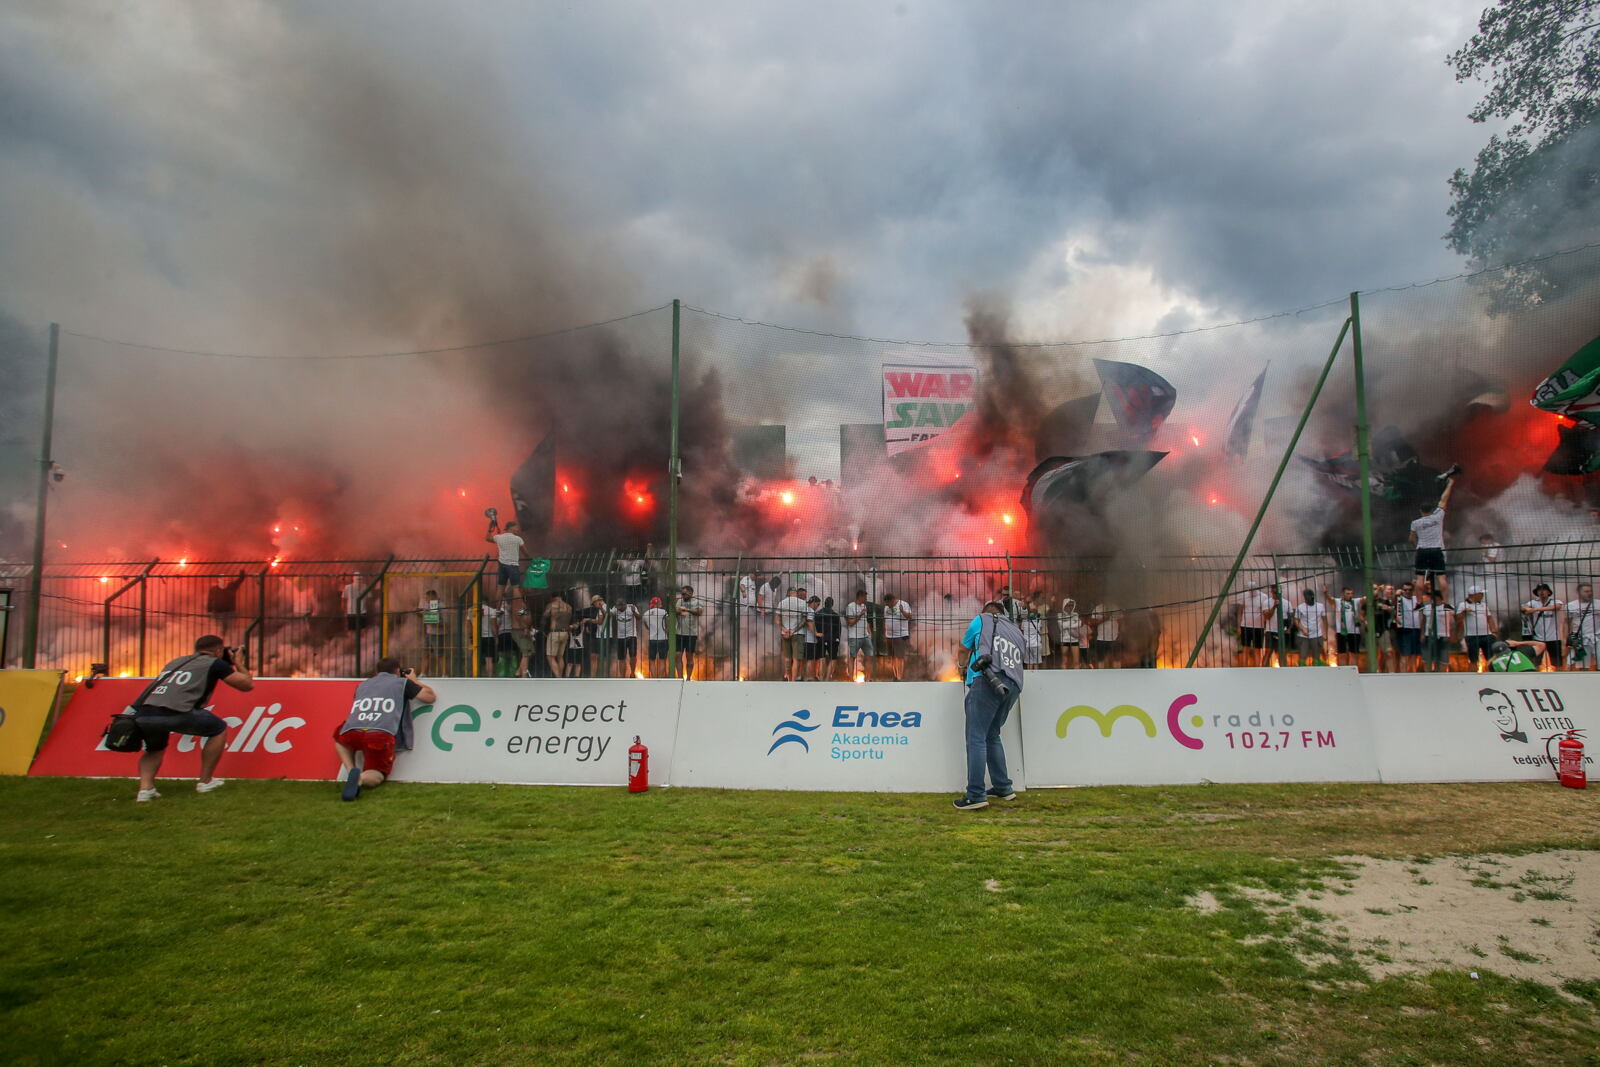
(996, 681)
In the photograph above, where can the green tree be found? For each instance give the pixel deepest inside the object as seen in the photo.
(1534, 188)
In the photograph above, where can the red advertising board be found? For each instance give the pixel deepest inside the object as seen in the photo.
(283, 728)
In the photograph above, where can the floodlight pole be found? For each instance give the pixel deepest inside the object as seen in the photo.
(674, 472)
(1363, 456)
(30, 632)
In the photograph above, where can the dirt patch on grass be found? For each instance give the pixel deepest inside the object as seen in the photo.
(1535, 916)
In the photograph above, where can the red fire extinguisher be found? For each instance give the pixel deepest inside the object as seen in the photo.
(638, 768)
(1569, 762)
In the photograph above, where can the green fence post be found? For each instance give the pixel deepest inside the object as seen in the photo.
(1363, 455)
(673, 474)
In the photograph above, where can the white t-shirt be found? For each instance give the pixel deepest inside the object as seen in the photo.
(1474, 619)
(602, 622)
(1310, 617)
(857, 621)
(626, 624)
(1429, 529)
(1347, 615)
(792, 613)
(811, 617)
(1437, 619)
(1110, 626)
(1285, 611)
(632, 570)
(896, 619)
(1492, 552)
(1253, 609)
(1584, 618)
(655, 623)
(747, 591)
(1545, 626)
(491, 621)
(1032, 632)
(352, 597)
(509, 545)
(1406, 617)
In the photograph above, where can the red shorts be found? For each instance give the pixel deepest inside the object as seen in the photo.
(378, 746)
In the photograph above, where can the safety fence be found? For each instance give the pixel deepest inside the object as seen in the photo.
(450, 617)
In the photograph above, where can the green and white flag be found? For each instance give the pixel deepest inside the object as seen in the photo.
(1574, 389)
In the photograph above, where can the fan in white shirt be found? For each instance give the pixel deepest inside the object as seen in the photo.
(1308, 620)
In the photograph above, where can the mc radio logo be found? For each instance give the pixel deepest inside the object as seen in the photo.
(1258, 731)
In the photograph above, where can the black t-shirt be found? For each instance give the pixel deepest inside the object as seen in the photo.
(219, 669)
(828, 624)
(412, 689)
(1383, 613)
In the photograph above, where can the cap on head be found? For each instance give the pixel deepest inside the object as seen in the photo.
(1499, 648)
(1475, 590)
(655, 602)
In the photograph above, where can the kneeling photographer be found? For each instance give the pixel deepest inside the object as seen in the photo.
(994, 681)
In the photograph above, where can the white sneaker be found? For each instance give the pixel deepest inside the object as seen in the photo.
(206, 787)
(146, 795)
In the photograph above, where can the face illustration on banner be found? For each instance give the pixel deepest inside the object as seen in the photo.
(857, 734)
(1504, 714)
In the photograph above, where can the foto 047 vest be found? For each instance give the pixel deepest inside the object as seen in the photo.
(379, 704)
(181, 685)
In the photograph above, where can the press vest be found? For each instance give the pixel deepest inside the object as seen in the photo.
(380, 704)
(1000, 639)
(181, 685)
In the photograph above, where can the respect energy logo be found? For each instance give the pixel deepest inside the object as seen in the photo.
(1105, 720)
(798, 731)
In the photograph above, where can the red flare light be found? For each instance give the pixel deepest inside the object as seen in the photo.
(787, 497)
(1196, 439)
(461, 492)
(1007, 519)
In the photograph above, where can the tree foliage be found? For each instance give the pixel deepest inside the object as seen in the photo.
(1535, 187)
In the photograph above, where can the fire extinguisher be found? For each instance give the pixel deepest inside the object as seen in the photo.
(638, 768)
(1569, 762)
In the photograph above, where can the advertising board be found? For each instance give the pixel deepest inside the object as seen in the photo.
(26, 698)
(886, 737)
(1169, 727)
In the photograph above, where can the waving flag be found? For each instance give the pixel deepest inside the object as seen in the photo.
(1243, 418)
(1140, 398)
(1577, 451)
(1574, 389)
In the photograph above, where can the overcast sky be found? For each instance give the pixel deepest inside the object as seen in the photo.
(167, 168)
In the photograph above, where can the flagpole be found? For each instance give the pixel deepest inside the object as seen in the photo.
(1261, 513)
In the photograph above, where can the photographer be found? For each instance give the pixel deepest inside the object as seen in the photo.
(379, 723)
(175, 704)
(994, 681)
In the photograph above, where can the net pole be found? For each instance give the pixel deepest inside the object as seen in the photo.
(672, 501)
(1266, 501)
(1363, 456)
(30, 632)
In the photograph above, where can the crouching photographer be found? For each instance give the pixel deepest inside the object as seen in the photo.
(994, 681)
(175, 703)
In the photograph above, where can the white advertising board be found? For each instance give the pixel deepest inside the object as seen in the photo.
(923, 397)
(873, 737)
(542, 731)
(1170, 727)
(1477, 727)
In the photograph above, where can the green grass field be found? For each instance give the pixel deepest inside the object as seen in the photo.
(270, 923)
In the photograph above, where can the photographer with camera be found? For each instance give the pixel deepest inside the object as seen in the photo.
(175, 703)
(994, 681)
(378, 725)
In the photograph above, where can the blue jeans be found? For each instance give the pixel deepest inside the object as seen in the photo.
(986, 713)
